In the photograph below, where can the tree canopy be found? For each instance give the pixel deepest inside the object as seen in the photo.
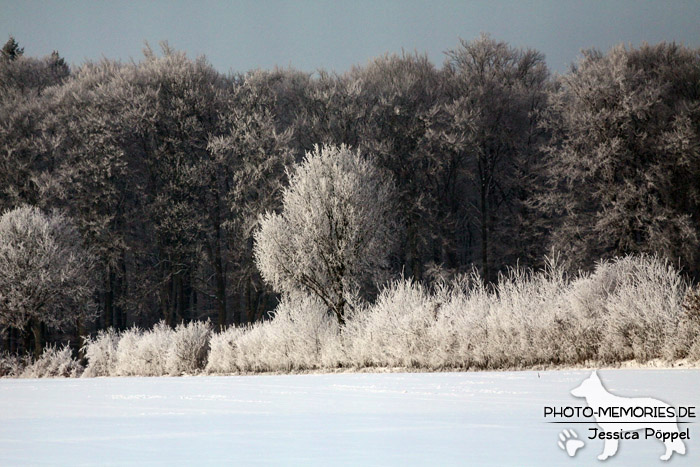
(335, 232)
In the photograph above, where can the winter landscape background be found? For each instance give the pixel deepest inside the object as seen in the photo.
(279, 265)
(482, 214)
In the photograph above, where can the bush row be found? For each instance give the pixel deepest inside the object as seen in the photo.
(629, 308)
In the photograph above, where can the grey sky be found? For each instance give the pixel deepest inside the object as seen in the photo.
(240, 35)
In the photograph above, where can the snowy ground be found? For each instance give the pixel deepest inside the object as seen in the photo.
(342, 419)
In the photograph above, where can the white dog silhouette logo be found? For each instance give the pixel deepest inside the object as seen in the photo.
(615, 427)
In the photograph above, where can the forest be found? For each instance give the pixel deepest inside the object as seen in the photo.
(161, 217)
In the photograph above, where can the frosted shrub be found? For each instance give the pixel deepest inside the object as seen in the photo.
(632, 307)
(585, 305)
(300, 335)
(552, 324)
(224, 350)
(189, 347)
(686, 342)
(395, 331)
(155, 352)
(460, 332)
(101, 353)
(525, 319)
(144, 353)
(13, 365)
(127, 353)
(52, 363)
(303, 327)
(643, 311)
(255, 351)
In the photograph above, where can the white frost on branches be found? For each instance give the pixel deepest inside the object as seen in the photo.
(45, 274)
(335, 231)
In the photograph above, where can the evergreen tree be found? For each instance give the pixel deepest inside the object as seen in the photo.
(11, 50)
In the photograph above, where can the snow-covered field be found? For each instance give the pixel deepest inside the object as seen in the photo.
(492, 418)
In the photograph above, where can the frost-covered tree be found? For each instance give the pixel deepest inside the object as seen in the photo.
(93, 178)
(45, 274)
(394, 96)
(181, 108)
(133, 169)
(23, 75)
(624, 167)
(246, 168)
(487, 134)
(23, 108)
(335, 232)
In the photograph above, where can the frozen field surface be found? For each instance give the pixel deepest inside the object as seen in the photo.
(493, 418)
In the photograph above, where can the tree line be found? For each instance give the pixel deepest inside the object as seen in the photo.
(161, 170)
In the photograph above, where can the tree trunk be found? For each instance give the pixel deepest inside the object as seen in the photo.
(485, 236)
(220, 281)
(117, 291)
(123, 292)
(339, 309)
(38, 338)
(26, 335)
(413, 264)
(14, 340)
(165, 299)
(187, 298)
(194, 310)
(79, 333)
(116, 309)
(177, 298)
(250, 308)
(109, 299)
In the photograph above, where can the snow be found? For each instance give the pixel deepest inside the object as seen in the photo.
(489, 418)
